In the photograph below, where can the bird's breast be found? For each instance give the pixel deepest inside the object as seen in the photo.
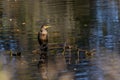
(43, 36)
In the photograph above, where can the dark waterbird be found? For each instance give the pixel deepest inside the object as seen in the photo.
(43, 42)
(43, 36)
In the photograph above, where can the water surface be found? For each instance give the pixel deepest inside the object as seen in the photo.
(84, 25)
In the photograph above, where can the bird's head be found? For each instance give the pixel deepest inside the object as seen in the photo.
(44, 27)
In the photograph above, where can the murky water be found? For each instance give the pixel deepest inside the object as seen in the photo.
(81, 25)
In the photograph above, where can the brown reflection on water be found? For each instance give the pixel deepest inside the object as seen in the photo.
(56, 69)
(18, 68)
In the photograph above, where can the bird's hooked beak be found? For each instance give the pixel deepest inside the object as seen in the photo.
(46, 27)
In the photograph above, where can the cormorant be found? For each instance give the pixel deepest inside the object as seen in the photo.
(43, 42)
(43, 37)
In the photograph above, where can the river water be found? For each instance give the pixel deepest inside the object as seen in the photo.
(90, 30)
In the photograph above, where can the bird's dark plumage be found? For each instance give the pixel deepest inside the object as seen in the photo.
(43, 42)
(43, 36)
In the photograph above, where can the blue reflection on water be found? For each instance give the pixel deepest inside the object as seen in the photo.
(9, 44)
(105, 37)
(105, 31)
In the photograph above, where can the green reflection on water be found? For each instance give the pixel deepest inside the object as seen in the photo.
(69, 21)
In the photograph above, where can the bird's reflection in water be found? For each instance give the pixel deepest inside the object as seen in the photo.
(55, 69)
